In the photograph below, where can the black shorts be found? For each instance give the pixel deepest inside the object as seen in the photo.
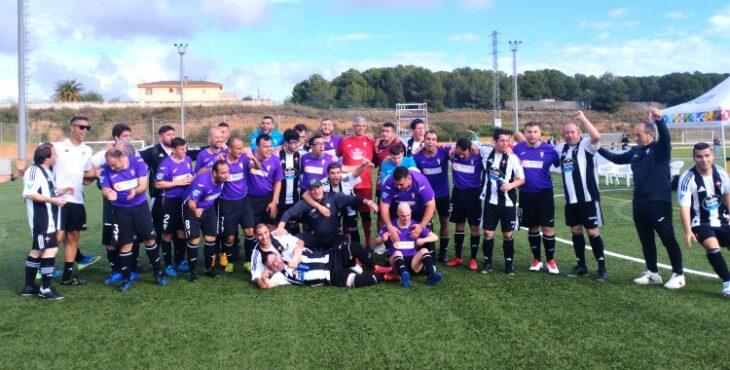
(108, 227)
(131, 222)
(704, 232)
(258, 210)
(43, 241)
(234, 213)
(171, 215)
(537, 209)
(506, 216)
(443, 206)
(587, 214)
(466, 205)
(73, 217)
(207, 223)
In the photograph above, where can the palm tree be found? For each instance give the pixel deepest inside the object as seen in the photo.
(67, 90)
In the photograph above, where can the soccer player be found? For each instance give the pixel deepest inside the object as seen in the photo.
(582, 199)
(42, 200)
(433, 162)
(325, 230)
(263, 190)
(214, 152)
(331, 141)
(303, 132)
(337, 182)
(200, 216)
(233, 204)
(225, 129)
(407, 186)
(267, 127)
(503, 174)
(154, 155)
(290, 158)
(704, 195)
(355, 149)
(173, 177)
(652, 206)
(72, 165)
(314, 164)
(409, 255)
(387, 139)
(302, 266)
(395, 158)
(466, 170)
(537, 201)
(124, 183)
(415, 142)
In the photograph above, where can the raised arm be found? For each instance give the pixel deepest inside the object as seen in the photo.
(588, 126)
(664, 140)
(622, 158)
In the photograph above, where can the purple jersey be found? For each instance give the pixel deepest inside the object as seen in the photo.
(314, 168)
(237, 185)
(417, 195)
(261, 181)
(203, 191)
(206, 159)
(332, 147)
(406, 245)
(123, 181)
(169, 170)
(467, 172)
(536, 163)
(436, 169)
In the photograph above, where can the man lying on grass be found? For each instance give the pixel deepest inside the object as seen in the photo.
(292, 263)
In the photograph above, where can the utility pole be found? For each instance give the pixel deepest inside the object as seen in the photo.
(22, 113)
(513, 46)
(181, 50)
(495, 83)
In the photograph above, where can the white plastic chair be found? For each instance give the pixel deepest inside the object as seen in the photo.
(675, 168)
(624, 171)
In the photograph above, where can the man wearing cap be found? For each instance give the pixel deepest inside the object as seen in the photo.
(325, 231)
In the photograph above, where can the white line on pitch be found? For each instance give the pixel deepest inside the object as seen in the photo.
(639, 260)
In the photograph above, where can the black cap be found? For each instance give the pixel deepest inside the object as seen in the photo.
(315, 182)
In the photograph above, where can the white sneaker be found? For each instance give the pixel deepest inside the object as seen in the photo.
(536, 265)
(552, 267)
(726, 289)
(675, 282)
(649, 278)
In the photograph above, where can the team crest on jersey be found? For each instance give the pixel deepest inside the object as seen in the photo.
(712, 202)
(160, 176)
(196, 193)
(542, 154)
(568, 165)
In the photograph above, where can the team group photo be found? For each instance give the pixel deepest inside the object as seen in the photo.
(364, 184)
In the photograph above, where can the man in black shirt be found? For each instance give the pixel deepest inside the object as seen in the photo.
(326, 232)
(652, 206)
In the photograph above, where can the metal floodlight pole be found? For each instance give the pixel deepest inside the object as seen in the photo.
(513, 46)
(181, 48)
(22, 114)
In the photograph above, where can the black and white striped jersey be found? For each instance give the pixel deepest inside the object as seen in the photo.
(703, 195)
(43, 217)
(580, 175)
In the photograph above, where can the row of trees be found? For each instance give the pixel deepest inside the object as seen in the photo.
(72, 90)
(472, 88)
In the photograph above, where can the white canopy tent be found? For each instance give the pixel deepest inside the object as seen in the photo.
(711, 109)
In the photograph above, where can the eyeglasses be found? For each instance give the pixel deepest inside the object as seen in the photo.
(318, 144)
(293, 142)
(83, 127)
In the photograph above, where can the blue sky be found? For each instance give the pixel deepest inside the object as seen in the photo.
(269, 45)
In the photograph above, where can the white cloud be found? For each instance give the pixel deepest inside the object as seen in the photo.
(476, 4)
(603, 36)
(678, 15)
(721, 22)
(619, 12)
(596, 25)
(465, 37)
(352, 37)
(234, 13)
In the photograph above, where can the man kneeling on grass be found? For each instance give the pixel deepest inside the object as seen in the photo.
(409, 255)
(291, 263)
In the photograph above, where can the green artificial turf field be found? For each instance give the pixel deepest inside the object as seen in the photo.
(468, 320)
